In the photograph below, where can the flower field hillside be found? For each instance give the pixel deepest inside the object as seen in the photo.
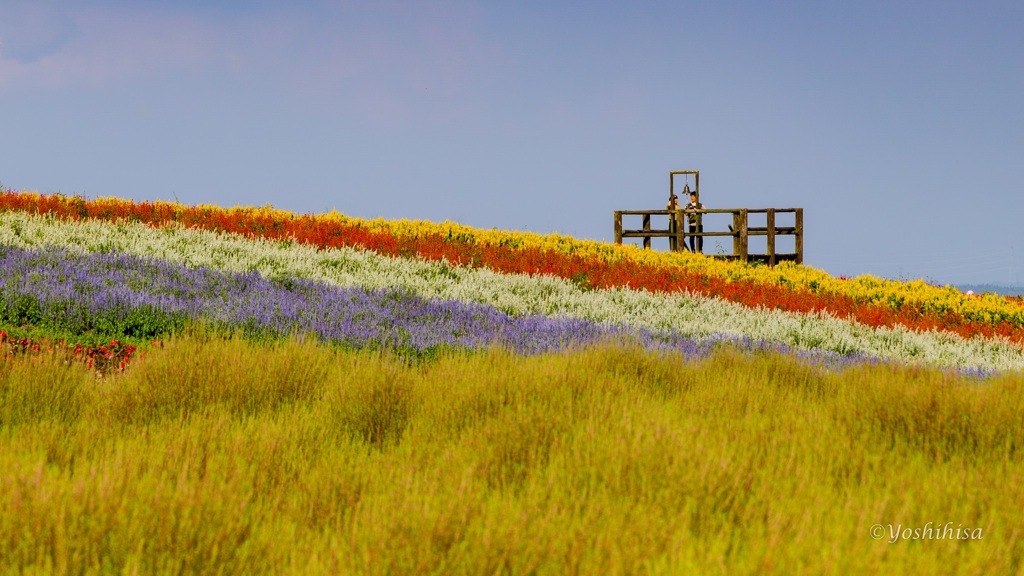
(194, 389)
(664, 299)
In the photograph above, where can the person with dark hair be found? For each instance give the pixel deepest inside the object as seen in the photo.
(673, 204)
(696, 226)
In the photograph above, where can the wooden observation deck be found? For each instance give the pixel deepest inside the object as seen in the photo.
(740, 229)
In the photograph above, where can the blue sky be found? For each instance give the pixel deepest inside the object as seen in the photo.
(897, 126)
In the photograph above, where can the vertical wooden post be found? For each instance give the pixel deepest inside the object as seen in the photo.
(618, 227)
(647, 228)
(744, 245)
(799, 235)
(771, 236)
(736, 233)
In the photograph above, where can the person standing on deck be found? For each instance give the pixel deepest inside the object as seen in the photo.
(696, 226)
(673, 205)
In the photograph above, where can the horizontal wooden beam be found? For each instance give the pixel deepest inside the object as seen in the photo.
(712, 211)
(708, 211)
(646, 233)
(765, 210)
(642, 233)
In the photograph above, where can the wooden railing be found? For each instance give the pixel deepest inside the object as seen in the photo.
(741, 231)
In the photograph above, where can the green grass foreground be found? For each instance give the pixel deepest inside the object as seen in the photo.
(222, 456)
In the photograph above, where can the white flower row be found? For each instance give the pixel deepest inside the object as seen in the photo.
(511, 293)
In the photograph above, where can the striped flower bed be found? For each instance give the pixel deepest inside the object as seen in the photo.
(870, 301)
(562, 311)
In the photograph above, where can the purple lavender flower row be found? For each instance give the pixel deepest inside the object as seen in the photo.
(120, 295)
